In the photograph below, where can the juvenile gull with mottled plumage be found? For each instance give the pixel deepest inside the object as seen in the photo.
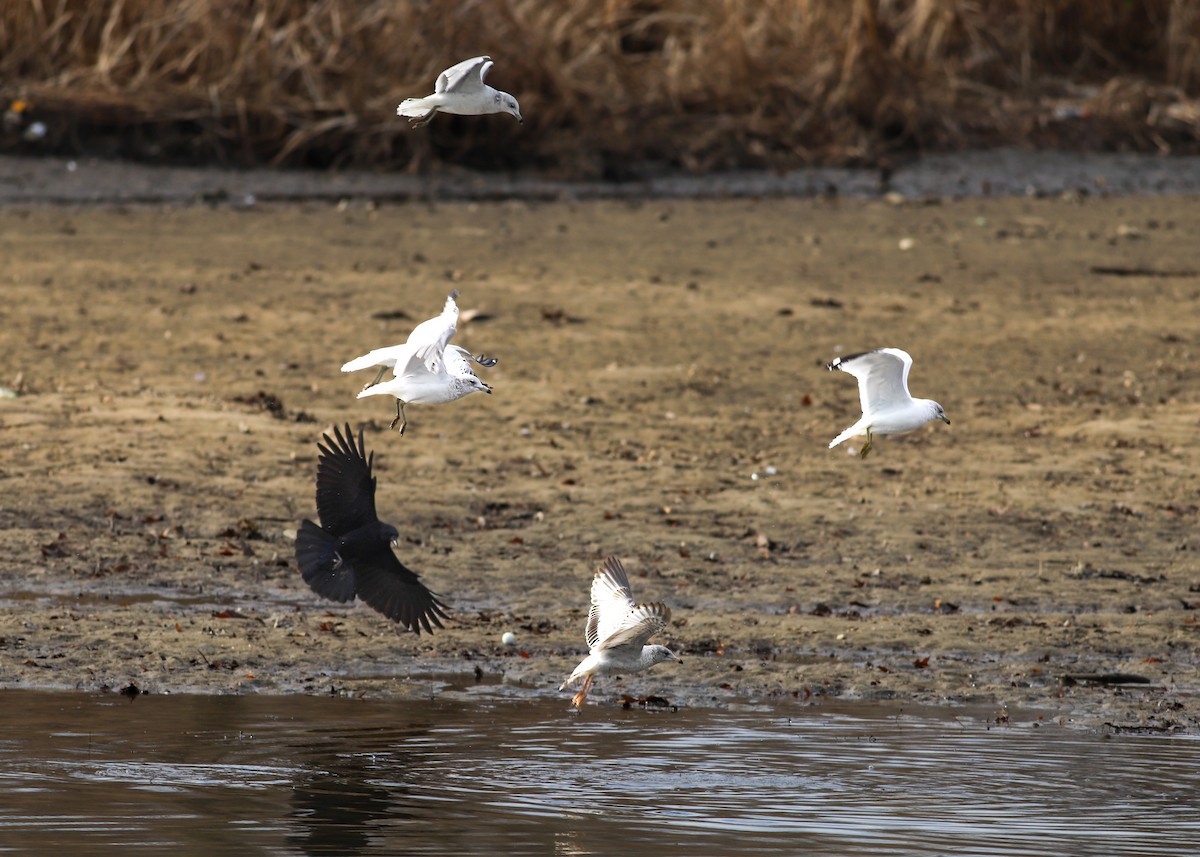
(617, 630)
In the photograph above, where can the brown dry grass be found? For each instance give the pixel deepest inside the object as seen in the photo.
(605, 86)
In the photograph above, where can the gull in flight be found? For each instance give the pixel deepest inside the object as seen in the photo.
(350, 553)
(617, 631)
(460, 89)
(883, 390)
(426, 370)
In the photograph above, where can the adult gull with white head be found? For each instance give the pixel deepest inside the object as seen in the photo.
(460, 89)
(426, 370)
(887, 406)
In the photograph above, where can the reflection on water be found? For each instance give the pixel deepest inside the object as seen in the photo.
(288, 775)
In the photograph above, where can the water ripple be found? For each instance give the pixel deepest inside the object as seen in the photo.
(201, 775)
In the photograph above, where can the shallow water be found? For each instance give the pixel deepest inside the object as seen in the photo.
(304, 775)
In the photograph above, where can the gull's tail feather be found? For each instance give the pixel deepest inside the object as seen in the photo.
(575, 676)
(846, 435)
(383, 389)
(580, 671)
(414, 108)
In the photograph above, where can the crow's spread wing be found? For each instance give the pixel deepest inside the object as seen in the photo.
(345, 486)
(393, 589)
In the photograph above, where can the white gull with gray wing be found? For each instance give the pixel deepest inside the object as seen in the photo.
(887, 406)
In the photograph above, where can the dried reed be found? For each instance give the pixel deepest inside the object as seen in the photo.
(608, 86)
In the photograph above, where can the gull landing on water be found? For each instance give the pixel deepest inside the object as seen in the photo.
(460, 89)
(617, 631)
(426, 370)
(883, 391)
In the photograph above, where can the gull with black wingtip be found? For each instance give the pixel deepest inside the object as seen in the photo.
(887, 406)
(427, 369)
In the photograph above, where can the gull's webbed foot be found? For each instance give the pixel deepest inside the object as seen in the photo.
(484, 360)
(577, 699)
(422, 121)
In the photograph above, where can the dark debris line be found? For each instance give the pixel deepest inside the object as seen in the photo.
(996, 173)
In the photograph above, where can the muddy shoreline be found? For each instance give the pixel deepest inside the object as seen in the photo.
(173, 367)
(973, 174)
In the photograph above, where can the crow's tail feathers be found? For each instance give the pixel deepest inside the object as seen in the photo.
(322, 566)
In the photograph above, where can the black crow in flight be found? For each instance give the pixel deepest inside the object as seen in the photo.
(350, 553)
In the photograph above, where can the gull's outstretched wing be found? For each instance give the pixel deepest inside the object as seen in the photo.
(459, 360)
(639, 625)
(429, 338)
(345, 486)
(432, 333)
(466, 76)
(612, 603)
(882, 377)
(387, 356)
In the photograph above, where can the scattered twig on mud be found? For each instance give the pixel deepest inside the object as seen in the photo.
(1121, 271)
(1104, 678)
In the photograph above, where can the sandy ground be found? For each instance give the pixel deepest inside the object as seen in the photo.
(661, 396)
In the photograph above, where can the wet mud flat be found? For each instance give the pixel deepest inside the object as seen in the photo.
(661, 396)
